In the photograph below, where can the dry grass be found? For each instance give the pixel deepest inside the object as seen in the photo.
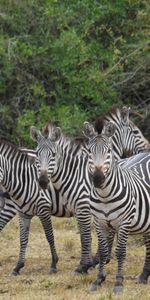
(36, 283)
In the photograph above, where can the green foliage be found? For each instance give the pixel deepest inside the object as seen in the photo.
(69, 117)
(70, 60)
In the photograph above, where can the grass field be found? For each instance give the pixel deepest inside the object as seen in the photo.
(36, 283)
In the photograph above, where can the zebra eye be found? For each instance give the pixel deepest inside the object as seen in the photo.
(136, 132)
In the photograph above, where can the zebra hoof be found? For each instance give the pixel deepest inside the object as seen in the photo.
(93, 287)
(14, 273)
(80, 270)
(83, 269)
(95, 262)
(52, 270)
(118, 289)
(142, 279)
(108, 260)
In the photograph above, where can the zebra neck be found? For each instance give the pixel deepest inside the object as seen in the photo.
(110, 188)
(17, 173)
(70, 167)
(117, 139)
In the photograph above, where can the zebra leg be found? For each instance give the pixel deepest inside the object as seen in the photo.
(111, 236)
(2, 201)
(146, 269)
(110, 244)
(24, 235)
(84, 222)
(120, 254)
(48, 229)
(103, 255)
(7, 213)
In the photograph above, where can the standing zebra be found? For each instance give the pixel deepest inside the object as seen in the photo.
(18, 176)
(65, 164)
(120, 200)
(8, 209)
(127, 139)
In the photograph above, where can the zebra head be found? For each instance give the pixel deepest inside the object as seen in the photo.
(100, 151)
(45, 152)
(133, 140)
(128, 138)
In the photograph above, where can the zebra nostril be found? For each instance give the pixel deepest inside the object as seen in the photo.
(43, 182)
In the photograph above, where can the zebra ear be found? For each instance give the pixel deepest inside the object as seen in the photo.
(125, 115)
(55, 134)
(35, 134)
(109, 129)
(88, 130)
(52, 132)
(31, 159)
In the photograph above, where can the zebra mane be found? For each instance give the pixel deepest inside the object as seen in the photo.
(111, 113)
(100, 121)
(46, 130)
(73, 145)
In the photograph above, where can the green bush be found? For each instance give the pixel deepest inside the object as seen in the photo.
(70, 60)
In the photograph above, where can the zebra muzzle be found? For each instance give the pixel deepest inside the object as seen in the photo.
(43, 182)
(98, 179)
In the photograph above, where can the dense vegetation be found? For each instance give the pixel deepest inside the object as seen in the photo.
(71, 60)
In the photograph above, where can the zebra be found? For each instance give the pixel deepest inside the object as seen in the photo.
(18, 176)
(119, 200)
(74, 189)
(8, 209)
(126, 134)
(65, 164)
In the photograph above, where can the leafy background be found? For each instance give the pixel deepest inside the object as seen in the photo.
(69, 61)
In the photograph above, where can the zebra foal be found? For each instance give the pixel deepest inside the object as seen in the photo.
(119, 200)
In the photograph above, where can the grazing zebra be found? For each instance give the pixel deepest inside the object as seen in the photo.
(127, 139)
(65, 164)
(120, 200)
